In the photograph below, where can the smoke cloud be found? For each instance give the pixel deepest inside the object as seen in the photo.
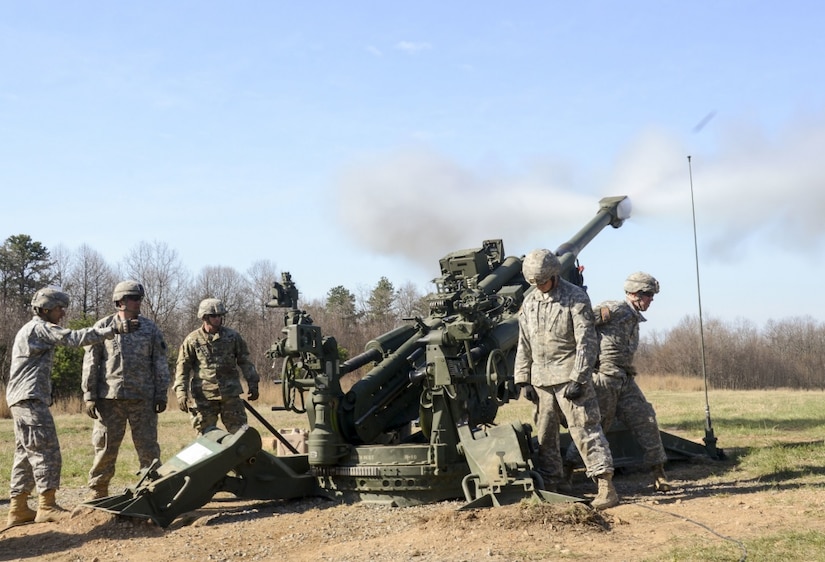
(756, 186)
(418, 203)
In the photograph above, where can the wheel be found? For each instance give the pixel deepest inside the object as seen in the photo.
(291, 372)
(497, 376)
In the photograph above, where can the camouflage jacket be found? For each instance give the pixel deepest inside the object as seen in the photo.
(129, 367)
(208, 365)
(32, 357)
(557, 341)
(617, 324)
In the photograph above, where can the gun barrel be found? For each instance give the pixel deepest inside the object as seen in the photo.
(354, 363)
(612, 211)
(379, 348)
(510, 268)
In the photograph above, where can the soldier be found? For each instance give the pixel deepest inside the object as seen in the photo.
(37, 459)
(124, 380)
(207, 372)
(617, 323)
(557, 347)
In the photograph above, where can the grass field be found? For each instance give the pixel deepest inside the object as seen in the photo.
(743, 421)
(174, 432)
(773, 440)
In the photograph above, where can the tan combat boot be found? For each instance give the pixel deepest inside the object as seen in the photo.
(19, 511)
(660, 482)
(607, 496)
(97, 492)
(47, 508)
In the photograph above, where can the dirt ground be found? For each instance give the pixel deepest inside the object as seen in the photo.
(709, 506)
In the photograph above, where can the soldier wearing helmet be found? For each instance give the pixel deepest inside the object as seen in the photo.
(37, 460)
(640, 288)
(207, 372)
(554, 361)
(617, 323)
(125, 380)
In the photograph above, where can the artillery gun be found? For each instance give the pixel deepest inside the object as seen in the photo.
(417, 427)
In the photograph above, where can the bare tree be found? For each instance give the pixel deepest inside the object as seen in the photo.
(62, 259)
(89, 281)
(226, 284)
(787, 353)
(261, 275)
(798, 344)
(166, 281)
(410, 303)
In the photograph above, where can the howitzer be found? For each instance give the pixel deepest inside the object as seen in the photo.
(418, 426)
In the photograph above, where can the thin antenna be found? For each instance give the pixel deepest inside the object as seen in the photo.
(710, 440)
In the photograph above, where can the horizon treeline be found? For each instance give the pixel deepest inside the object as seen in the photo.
(788, 353)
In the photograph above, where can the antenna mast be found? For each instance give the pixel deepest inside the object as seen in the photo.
(710, 439)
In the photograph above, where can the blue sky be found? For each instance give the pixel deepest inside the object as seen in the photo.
(345, 141)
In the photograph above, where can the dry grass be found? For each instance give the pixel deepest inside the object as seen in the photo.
(270, 394)
(174, 432)
(676, 383)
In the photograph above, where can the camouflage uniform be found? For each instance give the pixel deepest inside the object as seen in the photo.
(37, 459)
(557, 344)
(207, 370)
(617, 324)
(126, 377)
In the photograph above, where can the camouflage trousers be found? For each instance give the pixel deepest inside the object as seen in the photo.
(37, 459)
(620, 398)
(582, 419)
(230, 409)
(108, 432)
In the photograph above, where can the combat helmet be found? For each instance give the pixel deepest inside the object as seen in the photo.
(49, 298)
(641, 282)
(540, 266)
(211, 306)
(127, 288)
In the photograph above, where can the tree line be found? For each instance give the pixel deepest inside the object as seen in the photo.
(738, 355)
(172, 297)
(784, 353)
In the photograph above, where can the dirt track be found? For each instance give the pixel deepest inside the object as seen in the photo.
(709, 507)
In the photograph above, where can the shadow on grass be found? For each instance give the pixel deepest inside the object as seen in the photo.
(733, 475)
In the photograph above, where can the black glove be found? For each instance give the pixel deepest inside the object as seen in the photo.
(573, 390)
(182, 403)
(159, 407)
(527, 391)
(126, 325)
(253, 393)
(91, 409)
